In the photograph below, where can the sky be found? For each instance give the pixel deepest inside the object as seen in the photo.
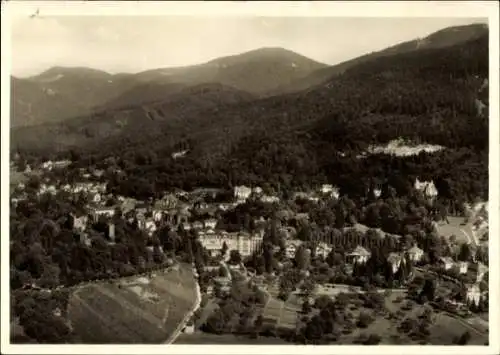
(133, 44)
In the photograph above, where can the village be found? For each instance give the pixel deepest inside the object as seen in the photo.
(197, 212)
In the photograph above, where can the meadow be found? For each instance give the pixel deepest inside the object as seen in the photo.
(136, 310)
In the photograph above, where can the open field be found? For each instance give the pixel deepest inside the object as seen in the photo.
(458, 228)
(443, 331)
(446, 328)
(138, 310)
(225, 339)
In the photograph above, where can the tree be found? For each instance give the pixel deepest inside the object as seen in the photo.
(364, 320)
(465, 253)
(463, 339)
(306, 307)
(307, 288)
(234, 257)
(216, 323)
(224, 248)
(429, 289)
(302, 258)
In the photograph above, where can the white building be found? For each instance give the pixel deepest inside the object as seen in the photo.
(269, 199)
(463, 266)
(150, 227)
(210, 223)
(395, 260)
(446, 262)
(242, 193)
(323, 249)
(359, 255)
(246, 244)
(415, 253)
(103, 211)
(326, 188)
(427, 187)
(80, 223)
(473, 294)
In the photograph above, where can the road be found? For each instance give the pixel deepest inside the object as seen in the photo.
(187, 317)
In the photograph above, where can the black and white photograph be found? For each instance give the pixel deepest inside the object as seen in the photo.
(301, 177)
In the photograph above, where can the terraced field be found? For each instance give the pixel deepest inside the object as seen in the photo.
(137, 310)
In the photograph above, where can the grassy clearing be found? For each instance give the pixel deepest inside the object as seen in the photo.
(225, 339)
(456, 227)
(128, 313)
(447, 328)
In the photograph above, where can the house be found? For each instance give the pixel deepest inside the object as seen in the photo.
(242, 193)
(111, 232)
(47, 165)
(189, 328)
(473, 294)
(463, 266)
(269, 199)
(427, 187)
(323, 249)
(96, 198)
(180, 154)
(61, 164)
(82, 187)
(415, 253)
(80, 223)
(257, 190)
(157, 215)
(359, 255)
(210, 223)
(395, 261)
(108, 211)
(481, 271)
(225, 206)
(168, 201)
(246, 244)
(326, 189)
(197, 225)
(150, 226)
(98, 173)
(446, 262)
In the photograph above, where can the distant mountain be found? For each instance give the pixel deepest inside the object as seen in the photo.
(429, 92)
(172, 114)
(257, 72)
(61, 93)
(441, 39)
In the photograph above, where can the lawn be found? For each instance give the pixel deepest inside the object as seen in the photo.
(140, 310)
(226, 339)
(443, 330)
(446, 328)
(456, 228)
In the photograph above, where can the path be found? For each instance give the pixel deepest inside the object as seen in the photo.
(187, 317)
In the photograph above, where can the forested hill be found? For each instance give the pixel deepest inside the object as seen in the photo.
(65, 93)
(430, 95)
(441, 39)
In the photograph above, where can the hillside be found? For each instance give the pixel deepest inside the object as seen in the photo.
(257, 72)
(65, 93)
(441, 39)
(291, 140)
(61, 93)
(132, 124)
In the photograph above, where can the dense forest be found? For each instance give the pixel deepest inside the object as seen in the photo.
(297, 141)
